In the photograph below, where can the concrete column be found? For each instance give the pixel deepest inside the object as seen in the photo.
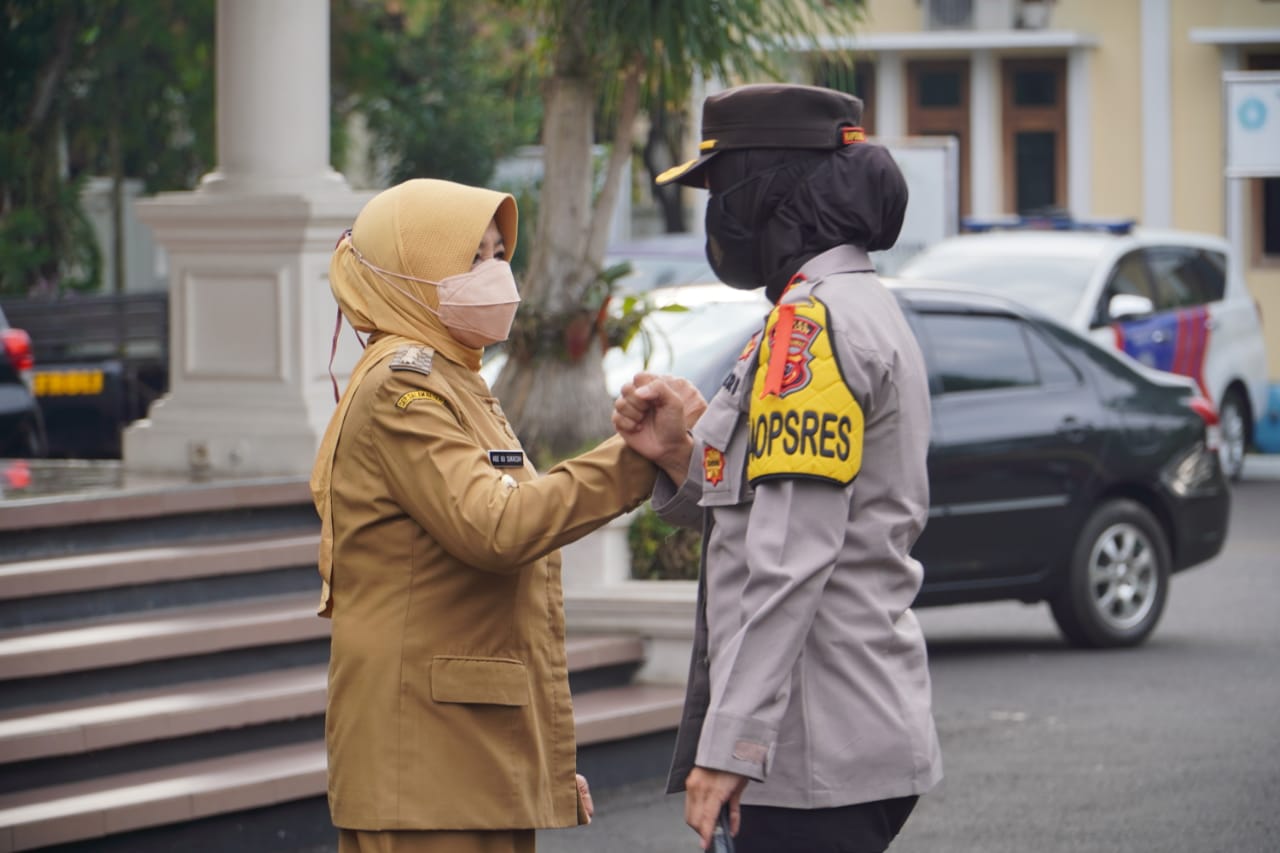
(273, 97)
(1157, 115)
(1235, 222)
(985, 148)
(1079, 134)
(251, 314)
(891, 96)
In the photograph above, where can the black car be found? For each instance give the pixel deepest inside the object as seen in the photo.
(22, 433)
(1059, 471)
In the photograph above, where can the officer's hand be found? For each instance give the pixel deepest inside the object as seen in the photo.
(690, 398)
(631, 407)
(650, 414)
(705, 792)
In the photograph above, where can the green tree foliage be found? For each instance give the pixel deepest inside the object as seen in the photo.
(442, 86)
(126, 90)
(621, 53)
(108, 87)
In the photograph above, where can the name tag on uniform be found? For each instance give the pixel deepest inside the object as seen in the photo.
(507, 458)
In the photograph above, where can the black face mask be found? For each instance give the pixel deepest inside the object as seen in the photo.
(733, 246)
(730, 247)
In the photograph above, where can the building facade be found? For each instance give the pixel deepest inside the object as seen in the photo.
(1103, 108)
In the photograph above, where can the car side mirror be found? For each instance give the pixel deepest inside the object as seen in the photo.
(1126, 306)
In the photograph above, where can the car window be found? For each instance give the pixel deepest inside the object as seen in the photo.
(1213, 274)
(700, 343)
(1185, 276)
(978, 352)
(1051, 366)
(1129, 276)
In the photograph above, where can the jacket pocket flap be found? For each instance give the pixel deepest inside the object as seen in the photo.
(479, 681)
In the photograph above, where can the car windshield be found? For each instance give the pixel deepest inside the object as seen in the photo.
(660, 263)
(1054, 285)
(698, 343)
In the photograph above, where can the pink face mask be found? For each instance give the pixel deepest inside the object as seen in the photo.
(477, 306)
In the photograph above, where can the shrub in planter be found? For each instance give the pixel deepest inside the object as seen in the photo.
(660, 551)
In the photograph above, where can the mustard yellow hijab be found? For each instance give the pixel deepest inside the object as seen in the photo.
(423, 228)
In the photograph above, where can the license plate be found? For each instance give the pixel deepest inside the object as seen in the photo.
(68, 383)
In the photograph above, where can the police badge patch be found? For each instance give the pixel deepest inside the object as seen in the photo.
(712, 465)
(415, 358)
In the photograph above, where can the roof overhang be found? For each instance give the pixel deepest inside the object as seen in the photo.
(1233, 36)
(953, 41)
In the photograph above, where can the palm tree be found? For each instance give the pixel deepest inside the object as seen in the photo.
(618, 52)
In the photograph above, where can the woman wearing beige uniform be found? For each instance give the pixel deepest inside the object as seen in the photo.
(449, 723)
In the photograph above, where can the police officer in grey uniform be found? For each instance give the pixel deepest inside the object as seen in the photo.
(807, 715)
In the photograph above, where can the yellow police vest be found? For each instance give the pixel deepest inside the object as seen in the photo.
(804, 419)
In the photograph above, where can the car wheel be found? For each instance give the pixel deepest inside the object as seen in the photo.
(1117, 581)
(1234, 429)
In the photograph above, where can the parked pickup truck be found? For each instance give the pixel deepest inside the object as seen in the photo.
(100, 362)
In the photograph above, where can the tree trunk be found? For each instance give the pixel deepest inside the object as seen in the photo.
(557, 402)
(559, 408)
(118, 265)
(552, 386)
(660, 153)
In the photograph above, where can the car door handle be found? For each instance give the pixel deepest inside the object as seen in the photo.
(1073, 430)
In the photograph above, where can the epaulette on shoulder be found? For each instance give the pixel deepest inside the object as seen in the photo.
(415, 358)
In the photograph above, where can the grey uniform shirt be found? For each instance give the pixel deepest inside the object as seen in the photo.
(809, 672)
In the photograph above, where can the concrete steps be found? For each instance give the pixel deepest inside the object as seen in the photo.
(162, 678)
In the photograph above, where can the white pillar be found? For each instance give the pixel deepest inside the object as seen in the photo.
(1235, 221)
(273, 97)
(251, 314)
(985, 148)
(1079, 135)
(891, 97)
(1157, 121)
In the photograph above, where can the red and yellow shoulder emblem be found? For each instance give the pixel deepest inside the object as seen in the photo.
(712, 465)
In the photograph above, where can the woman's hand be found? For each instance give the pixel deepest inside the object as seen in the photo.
(653, 414)
(584, 794)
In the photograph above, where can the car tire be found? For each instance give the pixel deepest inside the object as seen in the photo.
(1117, 581)
(1233, 425)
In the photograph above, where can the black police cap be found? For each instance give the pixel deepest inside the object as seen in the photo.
(771, 115)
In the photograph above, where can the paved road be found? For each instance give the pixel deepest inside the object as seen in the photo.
(1173, 747)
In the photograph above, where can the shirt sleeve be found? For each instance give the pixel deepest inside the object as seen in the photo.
(795, 533)
(679, 505)
(439, 474)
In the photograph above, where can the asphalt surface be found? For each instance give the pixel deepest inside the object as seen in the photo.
(1172, 747)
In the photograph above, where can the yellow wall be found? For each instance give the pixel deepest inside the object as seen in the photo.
(1265, 285)
(1116, 99)
(1198, 140)
(892, 16)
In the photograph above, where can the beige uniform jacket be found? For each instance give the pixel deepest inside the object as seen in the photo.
(809, 671)
(449, 702)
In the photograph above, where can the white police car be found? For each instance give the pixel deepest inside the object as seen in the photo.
(1173, 300)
